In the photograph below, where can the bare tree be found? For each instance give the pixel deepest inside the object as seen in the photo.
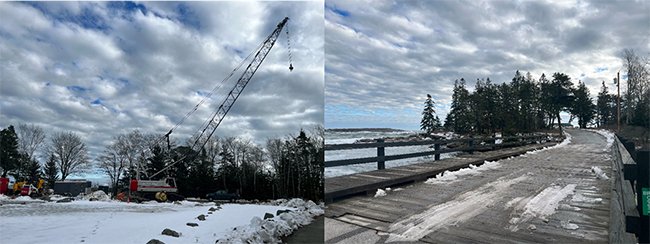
(638, 79)
(113, 162)
(30, 138)
(70, 152)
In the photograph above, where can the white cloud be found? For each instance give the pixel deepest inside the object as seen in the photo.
(104, 68)
(442, 41)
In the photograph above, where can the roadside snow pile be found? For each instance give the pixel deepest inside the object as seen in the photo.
(449, 176)
(447, 135)
(95, 196)
(4, 197)
(599, 173)
(608, 135)
(22, 199)
(565, 142)
(271, 229)
(380, 193)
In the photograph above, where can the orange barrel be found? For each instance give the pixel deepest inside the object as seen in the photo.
(134, 185)
(4, 185)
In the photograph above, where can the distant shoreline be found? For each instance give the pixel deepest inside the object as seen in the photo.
(364, 129)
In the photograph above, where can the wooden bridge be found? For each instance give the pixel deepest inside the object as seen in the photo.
(561, 194)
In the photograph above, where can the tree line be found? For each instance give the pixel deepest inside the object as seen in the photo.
(526, 104)
(284, 168)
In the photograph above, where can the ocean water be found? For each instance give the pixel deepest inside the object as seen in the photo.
(351, 137)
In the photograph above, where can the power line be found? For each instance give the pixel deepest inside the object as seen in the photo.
(646, 37)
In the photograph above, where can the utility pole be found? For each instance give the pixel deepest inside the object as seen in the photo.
(618, 85)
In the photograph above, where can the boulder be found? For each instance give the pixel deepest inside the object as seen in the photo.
(192, 224)
(268, 216)
(282, 211)
(155, 241)
(201, 217)
(169, 232)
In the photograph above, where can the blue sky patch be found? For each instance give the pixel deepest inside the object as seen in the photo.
(338, 11)
(624, 77)
(98, 101)
(598, 70)
(582, 75)
(77, 89)
(187, 16)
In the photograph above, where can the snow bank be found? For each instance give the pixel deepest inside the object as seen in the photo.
(565, 142)
(271, 229)
(449, 176)
(608, 135)
(447, 135)
(98, 195)
(599, 173)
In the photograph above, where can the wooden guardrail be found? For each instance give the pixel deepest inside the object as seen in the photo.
(381, 157)
(635, 166)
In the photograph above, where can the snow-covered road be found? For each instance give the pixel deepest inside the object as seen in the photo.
(558, 194)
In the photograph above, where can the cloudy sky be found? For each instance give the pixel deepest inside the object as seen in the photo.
(104, 68)
(383, 57)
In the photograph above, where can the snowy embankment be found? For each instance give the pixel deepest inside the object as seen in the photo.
(608, 135)
(104, 221)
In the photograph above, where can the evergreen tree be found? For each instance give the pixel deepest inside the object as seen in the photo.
(429, 122)
(561, 95)
(50, 171)
(583, 106)
(605, 107)
(460, 114)
(9, 156)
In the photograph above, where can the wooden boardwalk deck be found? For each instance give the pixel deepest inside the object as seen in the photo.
(552, 196)
(364, 183)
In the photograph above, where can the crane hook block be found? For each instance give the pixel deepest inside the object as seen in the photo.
(290, 67)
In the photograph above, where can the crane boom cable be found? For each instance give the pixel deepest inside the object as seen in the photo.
(232, 96)
(217, 87)
(217, 117)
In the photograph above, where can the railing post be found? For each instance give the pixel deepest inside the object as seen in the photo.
(493, 143)
(380, 154)
(471, 144)
(643, 194)
(436, 147)
(629, 146)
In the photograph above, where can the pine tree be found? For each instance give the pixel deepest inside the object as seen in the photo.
(605, 107)
(429, 122)
(50, 171)
(9, 156)
(583, 106)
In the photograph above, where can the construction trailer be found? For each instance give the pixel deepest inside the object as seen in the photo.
(72, 187)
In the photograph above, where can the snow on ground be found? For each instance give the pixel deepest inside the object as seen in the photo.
(268, 230)
(542, 205)
(462, 208)
(599, 173)
(450, 176)
(566, 141)
(119, 222)
(607, 134)
(448, 135)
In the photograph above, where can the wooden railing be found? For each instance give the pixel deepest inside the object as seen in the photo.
(631, 178)
(381, 158)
